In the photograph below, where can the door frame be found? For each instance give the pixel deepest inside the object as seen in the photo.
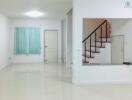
(123, 46)
(45, 44)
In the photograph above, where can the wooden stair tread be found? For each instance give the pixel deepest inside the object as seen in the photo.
(103, 41)
(93, 51)
(85, 62)
(88, 56)
(98, 46)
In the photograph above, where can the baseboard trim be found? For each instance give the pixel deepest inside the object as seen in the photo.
(3, 66)
(102, 82)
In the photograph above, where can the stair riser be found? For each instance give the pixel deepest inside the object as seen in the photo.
(98, 44)
(87, 59)
(88, 56)
(88, 53)
(104, 39)
(92, 48)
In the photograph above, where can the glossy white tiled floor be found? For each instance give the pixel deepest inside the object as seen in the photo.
(53, 82)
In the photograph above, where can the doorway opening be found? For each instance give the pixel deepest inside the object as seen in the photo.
(51, 47)
(117, 49)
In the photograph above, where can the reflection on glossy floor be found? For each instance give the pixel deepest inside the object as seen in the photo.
(53, 82)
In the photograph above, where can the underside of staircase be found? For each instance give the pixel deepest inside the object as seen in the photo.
(96, 44)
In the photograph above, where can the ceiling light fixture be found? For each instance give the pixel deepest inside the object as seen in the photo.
(34, 14)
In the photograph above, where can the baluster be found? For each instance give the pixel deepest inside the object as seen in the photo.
(90, 46)
(106, 31)
(85, 51)
(101, 37)
(95, 41)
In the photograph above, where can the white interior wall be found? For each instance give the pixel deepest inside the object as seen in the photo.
(64, 41)
(69, 39)
(123, 27)
(103, 73)
(4, 47)
(43, 25)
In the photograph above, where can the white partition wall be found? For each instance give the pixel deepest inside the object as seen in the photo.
(97, 74)
(69, 42)
(4, 37)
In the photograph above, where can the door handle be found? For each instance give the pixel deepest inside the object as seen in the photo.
(45, 46)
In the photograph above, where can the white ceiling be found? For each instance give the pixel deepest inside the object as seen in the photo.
(52, 8)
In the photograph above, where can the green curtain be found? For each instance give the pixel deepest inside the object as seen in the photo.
(27, 40)
(34, 41)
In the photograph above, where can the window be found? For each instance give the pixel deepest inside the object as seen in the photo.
(27, 40)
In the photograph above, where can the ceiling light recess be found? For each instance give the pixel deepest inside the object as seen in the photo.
(34, 14)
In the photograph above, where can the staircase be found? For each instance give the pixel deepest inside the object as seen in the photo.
(96, 43)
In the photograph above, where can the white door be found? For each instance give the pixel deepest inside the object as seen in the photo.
(51, 46)
(117, 49)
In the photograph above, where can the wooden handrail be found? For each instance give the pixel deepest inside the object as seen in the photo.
(94, 31)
